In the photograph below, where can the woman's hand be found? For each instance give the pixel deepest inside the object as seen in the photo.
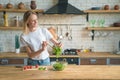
(59, 44)
(44, 45)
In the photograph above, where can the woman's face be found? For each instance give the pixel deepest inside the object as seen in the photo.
(33, 22)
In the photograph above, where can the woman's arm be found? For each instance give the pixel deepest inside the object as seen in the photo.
(32, 54)
(56, 42)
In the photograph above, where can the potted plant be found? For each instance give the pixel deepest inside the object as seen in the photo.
(17, 44)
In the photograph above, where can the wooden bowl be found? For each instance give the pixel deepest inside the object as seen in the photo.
(9, 6)
(117, 24)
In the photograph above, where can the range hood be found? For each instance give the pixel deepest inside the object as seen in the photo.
(63, 7)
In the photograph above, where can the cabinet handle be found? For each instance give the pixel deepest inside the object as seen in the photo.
(72, 60)
(4, 61)
(93, 61)
(64, 59)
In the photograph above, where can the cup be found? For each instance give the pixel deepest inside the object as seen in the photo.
(92, 22)
(101, 22)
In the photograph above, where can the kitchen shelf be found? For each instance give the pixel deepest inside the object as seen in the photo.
(11, 28)
(102, 11)
(103, 28)
(17, 11)
(20, 10)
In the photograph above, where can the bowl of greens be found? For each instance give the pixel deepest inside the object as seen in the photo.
(58, 66)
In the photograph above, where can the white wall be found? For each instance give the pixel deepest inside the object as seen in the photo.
(80, 36)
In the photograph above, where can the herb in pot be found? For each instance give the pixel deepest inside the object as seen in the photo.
(17, 44)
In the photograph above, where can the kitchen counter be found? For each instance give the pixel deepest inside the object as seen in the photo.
(83, 72)
(98, 54)
(80, 55)
(24, 55)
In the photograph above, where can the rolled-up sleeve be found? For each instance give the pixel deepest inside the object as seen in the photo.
(47, 34)
(22, 42)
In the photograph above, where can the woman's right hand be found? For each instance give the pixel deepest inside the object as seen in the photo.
(44, 45)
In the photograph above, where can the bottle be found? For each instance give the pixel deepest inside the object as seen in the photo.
(17, 21)
(5, 16)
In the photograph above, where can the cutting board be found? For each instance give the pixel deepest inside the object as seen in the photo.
(53, 32)
(28, 67)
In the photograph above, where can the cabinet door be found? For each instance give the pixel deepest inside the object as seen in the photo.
(93, 61)
(115, 61)
(12, 61)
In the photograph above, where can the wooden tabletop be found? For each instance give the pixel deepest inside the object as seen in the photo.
(81, 72)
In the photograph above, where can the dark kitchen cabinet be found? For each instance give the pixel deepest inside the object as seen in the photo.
(92, 61)
(13, 61)
(114, 61)
(74, 60)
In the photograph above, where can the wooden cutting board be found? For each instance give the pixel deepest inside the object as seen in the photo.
(27, 68)
(53, 32)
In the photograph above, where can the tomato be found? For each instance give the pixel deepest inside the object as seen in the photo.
(30, 67)
(24, 67)
(36, 66)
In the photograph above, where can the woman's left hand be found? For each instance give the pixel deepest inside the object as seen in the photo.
(59, 44)
(44, 45)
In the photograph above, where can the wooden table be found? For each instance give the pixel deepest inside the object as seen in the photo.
(76, 72)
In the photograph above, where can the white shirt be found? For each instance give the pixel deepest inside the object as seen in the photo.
(35, 40)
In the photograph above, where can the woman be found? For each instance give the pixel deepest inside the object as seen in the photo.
(35, 39)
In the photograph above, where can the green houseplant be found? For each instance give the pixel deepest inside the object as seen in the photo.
(17, 44)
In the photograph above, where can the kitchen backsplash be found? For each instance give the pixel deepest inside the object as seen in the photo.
(105, 41)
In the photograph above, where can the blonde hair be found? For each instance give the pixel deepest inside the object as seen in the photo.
(26, 19)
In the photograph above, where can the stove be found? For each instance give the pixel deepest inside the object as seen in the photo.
(70, 52)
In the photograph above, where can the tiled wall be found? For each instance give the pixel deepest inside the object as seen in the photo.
(105, 41)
